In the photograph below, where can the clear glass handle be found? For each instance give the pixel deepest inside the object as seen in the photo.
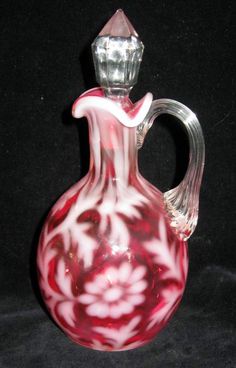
(182, 201)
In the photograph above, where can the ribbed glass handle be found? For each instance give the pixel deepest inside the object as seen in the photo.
(181, 202)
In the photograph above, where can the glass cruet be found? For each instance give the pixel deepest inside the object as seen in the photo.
(112, 256)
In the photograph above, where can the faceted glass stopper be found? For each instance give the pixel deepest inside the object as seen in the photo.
(117, 54)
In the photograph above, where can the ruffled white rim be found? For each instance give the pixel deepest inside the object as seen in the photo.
(130, 119)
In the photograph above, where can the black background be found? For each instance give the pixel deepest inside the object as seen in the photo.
(45, 64)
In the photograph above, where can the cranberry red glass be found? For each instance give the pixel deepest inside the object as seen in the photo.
(112, 255)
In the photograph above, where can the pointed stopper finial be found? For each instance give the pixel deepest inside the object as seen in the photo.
(117, 54)
(118, 26)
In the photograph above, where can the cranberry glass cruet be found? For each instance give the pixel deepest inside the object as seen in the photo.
(112, 256)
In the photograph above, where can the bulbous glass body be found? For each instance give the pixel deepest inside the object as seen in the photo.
(111, 269)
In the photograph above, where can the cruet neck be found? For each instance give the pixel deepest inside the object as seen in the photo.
(113, 151)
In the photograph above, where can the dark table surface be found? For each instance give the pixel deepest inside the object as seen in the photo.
(45, 64)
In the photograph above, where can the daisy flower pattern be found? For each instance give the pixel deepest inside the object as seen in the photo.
(115, 292)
